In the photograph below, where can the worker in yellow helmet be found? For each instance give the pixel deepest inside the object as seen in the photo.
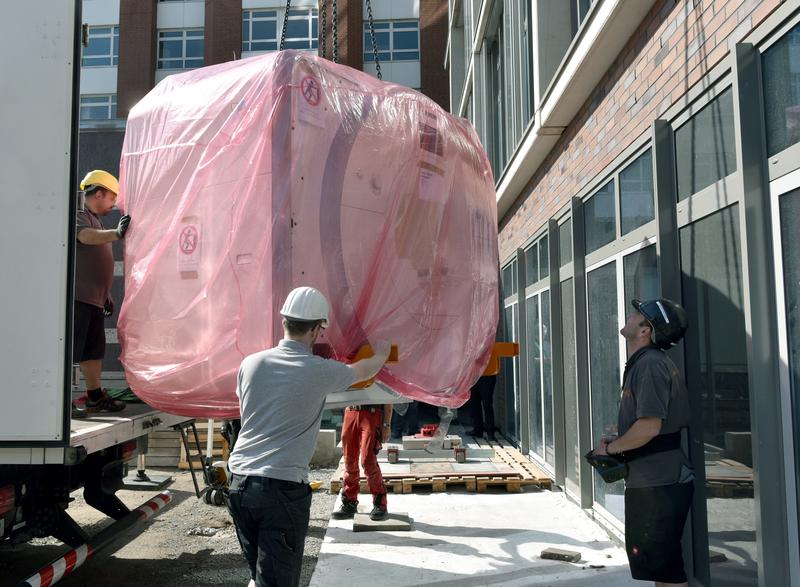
(94, 275)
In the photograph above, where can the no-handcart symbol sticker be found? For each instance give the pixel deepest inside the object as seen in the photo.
(188, 240)
(311, 90)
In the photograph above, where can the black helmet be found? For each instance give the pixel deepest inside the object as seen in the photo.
(667, 319)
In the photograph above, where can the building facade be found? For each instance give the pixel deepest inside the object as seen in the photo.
(131, 45)
(648, 148)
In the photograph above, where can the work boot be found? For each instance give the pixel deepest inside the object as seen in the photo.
(379, 511)
(347, 510)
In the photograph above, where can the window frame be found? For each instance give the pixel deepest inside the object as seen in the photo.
(110, 104)
(369, 57)
(113, 56)
(310, 15)
(248, 15)
(183, 38)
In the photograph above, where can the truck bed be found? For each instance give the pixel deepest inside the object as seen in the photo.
(92, 434)
(103, 430)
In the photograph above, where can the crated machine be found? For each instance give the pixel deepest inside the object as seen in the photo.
(247, 179)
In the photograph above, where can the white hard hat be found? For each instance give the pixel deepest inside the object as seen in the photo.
(305, 303)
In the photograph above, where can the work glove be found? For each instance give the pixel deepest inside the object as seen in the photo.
(108, 308)
(123, 225)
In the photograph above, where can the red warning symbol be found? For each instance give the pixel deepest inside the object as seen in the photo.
(188, 240)
(311, 90)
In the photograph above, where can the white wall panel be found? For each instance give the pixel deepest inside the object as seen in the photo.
(98, 12)
(406, 73)
(98, 80)
(393, 9)
(181, 15)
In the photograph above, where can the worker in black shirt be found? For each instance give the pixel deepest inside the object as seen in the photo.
(654, 408)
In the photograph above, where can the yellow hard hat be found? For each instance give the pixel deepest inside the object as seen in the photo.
(101, 178)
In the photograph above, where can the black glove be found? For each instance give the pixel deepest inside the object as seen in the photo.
(108, 308)
(122, 227)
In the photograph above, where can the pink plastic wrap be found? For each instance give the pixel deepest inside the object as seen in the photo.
(247, 179)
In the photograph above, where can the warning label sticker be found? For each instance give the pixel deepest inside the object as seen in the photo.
(189, 250)
(309, 103)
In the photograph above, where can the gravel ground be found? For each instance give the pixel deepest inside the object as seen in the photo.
(165, 550)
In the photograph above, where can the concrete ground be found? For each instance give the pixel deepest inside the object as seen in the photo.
(470, 539)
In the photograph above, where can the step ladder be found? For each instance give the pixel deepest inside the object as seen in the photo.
(184, 428)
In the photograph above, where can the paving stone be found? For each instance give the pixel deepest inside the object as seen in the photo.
(395, 522)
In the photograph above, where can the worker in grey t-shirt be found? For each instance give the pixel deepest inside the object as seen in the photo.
(281, 397)
(654, 408)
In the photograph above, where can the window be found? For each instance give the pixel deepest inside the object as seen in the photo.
(99, 107)
(496, 105)
(599, 218)
(565, 243)
(103, 47)
(781, 74)
(544, 258)
(181, 49)
(508, 279)
(531, 264)
(569, 357)
(640, 271)
(636, 193)
(580, 9)
(301, 29)
(601, 291)
(259, 30)
(717, 374)
(528, 96)
(536, 262)
(397, 40)
(705, 149)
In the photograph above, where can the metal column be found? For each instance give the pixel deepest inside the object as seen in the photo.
(582, 351)
(557, 355)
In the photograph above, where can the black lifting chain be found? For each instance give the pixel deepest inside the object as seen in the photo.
(285, 22)
(374, 40)
(334, 31)
(324, 30)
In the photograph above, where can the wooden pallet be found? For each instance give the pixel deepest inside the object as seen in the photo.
(521, 473)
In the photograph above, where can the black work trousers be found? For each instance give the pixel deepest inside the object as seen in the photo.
(482, 404)
(271, 518)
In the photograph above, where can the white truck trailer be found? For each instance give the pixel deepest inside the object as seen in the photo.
(44, 455)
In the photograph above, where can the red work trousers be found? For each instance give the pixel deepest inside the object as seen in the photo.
(361, 434)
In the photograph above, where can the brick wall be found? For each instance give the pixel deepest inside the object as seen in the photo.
(432, 44)
(137, 52)
(223, 31)
(674, 47)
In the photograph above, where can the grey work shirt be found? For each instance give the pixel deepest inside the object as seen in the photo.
(94, 264)
(282, 395)
(653, 388)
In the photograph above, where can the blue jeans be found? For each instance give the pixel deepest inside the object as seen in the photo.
(271, 518)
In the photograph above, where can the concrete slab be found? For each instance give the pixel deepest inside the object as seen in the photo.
(470, 540)
(396, 522)
(149, 482)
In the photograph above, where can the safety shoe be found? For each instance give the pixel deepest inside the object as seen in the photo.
(105, 403)
(378, 512)
(347, 510)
